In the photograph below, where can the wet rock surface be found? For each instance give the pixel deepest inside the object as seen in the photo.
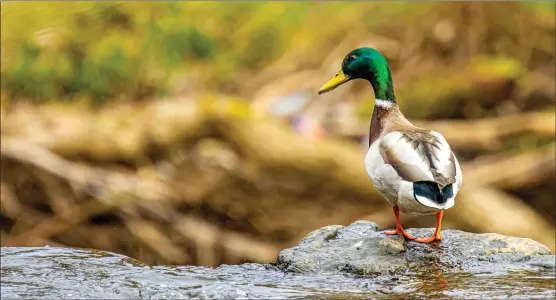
(335, 262)
(362, 249)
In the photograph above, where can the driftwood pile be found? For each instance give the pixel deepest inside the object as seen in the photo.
(182, 183)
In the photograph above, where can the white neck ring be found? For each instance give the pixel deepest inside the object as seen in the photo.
(383, 103)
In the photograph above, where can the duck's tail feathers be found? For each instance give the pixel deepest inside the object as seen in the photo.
(429, 194)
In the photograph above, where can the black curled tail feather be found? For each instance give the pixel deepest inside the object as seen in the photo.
(430, 190)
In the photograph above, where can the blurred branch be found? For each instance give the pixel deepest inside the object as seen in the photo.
(8, 201)
(482, 134)
(107, 186)
(105, 135)
(131, 191)
(111, 188)
(239, 245)
(270, 144)
(487, 133)
(503, 171)
(172, 123)
(154, 237)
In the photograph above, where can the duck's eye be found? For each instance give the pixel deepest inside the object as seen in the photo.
(352, 57)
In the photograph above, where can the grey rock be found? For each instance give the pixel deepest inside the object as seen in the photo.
(392, 245)
(335, 262)
(362, 249)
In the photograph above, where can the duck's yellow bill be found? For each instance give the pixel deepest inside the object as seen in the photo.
(335, 82)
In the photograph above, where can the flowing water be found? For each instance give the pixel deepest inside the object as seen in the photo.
(51, 273)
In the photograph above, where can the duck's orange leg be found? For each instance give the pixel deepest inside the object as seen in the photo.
(399, 229)
(437, 236)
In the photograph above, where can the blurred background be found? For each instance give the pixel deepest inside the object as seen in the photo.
(191, 132)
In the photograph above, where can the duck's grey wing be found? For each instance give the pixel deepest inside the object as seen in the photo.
(419, 155)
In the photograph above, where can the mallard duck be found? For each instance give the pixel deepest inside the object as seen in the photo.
(414, 169)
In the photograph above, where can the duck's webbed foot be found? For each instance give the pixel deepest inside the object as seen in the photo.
(401, 232)
(437, 236)
(399, 229)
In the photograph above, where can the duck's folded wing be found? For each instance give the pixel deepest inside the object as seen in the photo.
(419, 156)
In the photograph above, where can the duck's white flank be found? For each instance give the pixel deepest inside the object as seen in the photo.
(383, 103)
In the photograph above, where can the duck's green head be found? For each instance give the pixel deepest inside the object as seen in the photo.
(368, 64)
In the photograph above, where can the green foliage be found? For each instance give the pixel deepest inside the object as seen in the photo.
(106, 50)
(109, 50)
